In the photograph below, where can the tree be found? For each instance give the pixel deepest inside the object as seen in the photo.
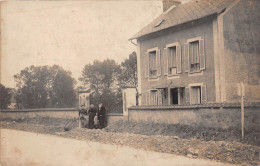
(128, 73)
(5, 96)
(101, 78)
(63, 89)
(42, 86)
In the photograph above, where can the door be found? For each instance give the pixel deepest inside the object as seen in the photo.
(174, 96)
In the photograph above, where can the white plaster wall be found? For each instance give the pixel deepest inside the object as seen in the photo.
(130, 99)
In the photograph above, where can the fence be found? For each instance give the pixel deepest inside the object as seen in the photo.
(215, 115)
(63, 113)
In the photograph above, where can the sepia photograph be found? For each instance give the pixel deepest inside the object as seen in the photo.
(130, 83)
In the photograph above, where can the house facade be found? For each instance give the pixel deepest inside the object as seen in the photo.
(199, 52)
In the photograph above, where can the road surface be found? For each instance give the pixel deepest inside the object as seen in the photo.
(31, 149)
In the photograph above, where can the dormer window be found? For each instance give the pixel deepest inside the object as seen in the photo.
(159, 23)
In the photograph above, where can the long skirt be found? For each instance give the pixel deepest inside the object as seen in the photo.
(91, 121)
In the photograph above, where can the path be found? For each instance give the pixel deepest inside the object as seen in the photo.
(25, 148)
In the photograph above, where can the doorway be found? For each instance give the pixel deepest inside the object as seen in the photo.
(174, 95)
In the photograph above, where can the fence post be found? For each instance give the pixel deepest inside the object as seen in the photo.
(242, 109)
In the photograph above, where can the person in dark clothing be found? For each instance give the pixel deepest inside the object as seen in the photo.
(83, 111)
(92, 113)
(101, 115)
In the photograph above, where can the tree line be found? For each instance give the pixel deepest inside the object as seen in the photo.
(53, 86)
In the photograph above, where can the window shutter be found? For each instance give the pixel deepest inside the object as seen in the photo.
(178, 56)
(187, 95)
(148, 97)
(159, 97)
(146, 64)
(165, 60)
(202, 55)
(186, 57)
(158, 62)
(156, 98)
(203, 94)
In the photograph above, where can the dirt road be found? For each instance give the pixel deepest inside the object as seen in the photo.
(25, 148)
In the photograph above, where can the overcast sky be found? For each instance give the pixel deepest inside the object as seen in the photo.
(68, 33)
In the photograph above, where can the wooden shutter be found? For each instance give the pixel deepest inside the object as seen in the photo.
(148, 97)
(186, 57)
(178, 57)
(203, 94)
(160, 95)
(165, 60)
(202, 55)
(187, 95)
(158, 62)
(146, 64)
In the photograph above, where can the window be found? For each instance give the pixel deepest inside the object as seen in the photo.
(152, 64)
(194, 55)
(196, 94)
(172, 59)
(195, 97)
(153, 97)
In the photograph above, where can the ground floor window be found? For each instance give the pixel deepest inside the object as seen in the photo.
(153, 97)
(192, 94)
(195, 95)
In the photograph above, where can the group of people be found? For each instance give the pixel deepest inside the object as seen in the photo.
(96, 116)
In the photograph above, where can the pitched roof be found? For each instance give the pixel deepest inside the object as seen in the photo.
(190, 11)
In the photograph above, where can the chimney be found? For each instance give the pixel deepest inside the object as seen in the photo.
(169, 3)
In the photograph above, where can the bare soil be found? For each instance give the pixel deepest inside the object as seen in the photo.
(219, 145)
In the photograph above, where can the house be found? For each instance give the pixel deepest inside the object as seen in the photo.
(199, 52)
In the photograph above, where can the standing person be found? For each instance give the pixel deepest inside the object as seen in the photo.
(101, 115)
(92, 113)
(82, 119)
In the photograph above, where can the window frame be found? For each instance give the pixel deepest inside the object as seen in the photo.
(156, 96)
(189, 41)
(201, 85)
(156, 77)
(197, 69)
(168, 47)
(149, 54)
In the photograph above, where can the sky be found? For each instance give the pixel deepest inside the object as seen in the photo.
(69, 33)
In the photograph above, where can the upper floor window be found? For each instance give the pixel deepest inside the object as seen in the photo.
(152, 63)
(194, 55)
(172, 59)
